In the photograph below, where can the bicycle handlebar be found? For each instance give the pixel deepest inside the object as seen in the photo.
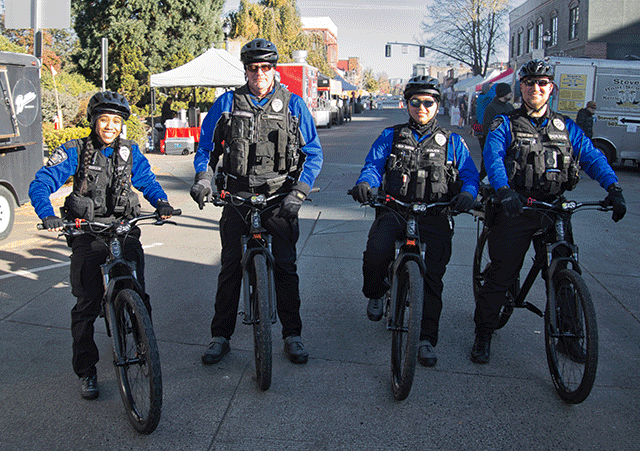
(417, 207)
(124, 224)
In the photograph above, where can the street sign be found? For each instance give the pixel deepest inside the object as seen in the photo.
(37, 14)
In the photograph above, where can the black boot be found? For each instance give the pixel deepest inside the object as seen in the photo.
(481, 351)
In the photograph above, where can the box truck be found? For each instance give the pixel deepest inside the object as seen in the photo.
(615, 87)
(21, 152)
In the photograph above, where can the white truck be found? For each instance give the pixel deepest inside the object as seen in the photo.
(615, 87)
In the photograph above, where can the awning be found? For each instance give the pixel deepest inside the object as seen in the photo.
(503, 77)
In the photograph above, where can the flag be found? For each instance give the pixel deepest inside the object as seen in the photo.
(53, 71)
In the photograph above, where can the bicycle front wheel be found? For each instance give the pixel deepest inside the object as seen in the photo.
(260, 304)
(137, 362)
(571, 338)
(481, 264)
(407, 310)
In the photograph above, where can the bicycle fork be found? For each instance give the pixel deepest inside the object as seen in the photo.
(248, 272)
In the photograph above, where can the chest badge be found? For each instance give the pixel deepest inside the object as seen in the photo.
(441, 139)
(558, 123)
(277, 105)
(124, 153)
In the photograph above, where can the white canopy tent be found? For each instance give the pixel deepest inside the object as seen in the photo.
(214, 68)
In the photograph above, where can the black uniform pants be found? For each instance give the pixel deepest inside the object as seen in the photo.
(87, 286)
(508, 242)
(285, 234)
(436, 232)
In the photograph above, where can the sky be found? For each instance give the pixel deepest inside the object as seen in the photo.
(365, 26)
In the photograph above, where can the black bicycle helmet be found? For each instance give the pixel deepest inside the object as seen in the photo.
(108, 102)
(423, 84)
(536, 68)
(259, 51)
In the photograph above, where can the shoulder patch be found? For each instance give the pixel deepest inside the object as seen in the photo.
(57, 157)
(497, 122)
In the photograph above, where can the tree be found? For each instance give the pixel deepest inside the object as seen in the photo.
(279, 22)
(143, 37)
(467, 31)
(369, 81)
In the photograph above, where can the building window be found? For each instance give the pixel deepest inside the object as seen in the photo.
(573, 22)
(553, 29)
(539, 33)
(513, 49)
(530, 40)
(519, 48)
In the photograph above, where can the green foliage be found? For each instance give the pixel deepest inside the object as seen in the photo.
(136, 130)
(53, 138)
(7, 46)
(144, 37)
(370, 83)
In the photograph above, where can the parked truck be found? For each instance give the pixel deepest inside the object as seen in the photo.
(302, 79)
(615, 87)
(20, 132)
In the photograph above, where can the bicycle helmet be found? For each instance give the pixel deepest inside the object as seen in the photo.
(423, 84)
(108, 102)
(536, 68)
(259, 51)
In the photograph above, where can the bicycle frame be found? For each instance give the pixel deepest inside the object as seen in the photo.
(256, 241)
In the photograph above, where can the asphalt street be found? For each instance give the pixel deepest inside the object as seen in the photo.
(341, 399)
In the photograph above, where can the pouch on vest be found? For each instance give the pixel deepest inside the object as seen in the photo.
(237, 155)
(438, 182)
(421, 183)
(78, 207)
(263, 158)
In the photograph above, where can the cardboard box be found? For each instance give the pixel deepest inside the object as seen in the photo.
(179, 146)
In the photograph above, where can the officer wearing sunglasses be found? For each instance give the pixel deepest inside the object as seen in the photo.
(530, 152)
(416, 161)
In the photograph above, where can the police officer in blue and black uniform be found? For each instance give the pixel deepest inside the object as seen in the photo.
(104, 167)
(530, 152)
(417, 160)
(269, 144)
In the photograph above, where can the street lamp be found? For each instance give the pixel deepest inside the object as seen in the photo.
(226, 29)
(546, 39)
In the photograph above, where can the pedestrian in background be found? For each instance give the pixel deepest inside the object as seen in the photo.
(585, 118)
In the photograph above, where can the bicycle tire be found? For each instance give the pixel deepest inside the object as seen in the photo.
(139, 375)
(572, 343)
(260, 303)
(406, 330)
(481, 263)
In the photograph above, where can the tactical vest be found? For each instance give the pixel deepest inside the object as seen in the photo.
(420, 171)
(539, 162)
(102, 188)
(261, 150)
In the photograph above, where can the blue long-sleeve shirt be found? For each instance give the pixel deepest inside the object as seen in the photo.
(51, 177)
(591, 160)
(374, 167)
(310, 145)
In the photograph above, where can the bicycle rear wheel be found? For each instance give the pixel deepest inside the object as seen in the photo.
(407, 310)
(260, 303)
(481, 264)
(137, 362)
(572, 339)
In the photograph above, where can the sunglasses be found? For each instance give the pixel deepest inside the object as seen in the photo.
(417, 102)
(254, 68)
(531, 82)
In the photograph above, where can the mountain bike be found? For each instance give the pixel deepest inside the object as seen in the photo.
(570, 328)
(135, 350)
(258, 283)
(405, 299)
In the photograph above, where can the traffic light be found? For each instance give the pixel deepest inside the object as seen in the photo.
(422, 51)
(387, 50)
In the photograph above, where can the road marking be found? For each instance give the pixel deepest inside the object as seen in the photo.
(31, 273)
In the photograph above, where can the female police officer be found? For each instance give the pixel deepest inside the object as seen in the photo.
(104, 166)
(417, 160)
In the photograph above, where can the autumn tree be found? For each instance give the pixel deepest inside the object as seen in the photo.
(279, 22)
(467, 31)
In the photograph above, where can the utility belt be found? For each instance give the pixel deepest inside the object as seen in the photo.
(82, 207)
(259, 184)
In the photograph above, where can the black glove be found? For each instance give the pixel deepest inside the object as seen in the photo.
(462, 201)
(510, 201)
(361, 192)
(164, 209)
(201, 189)
(616, 200)
(52, 223)
(291, 204)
